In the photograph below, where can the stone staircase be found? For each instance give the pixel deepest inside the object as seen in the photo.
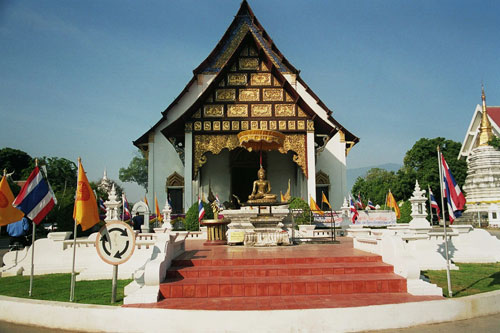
(238, 279)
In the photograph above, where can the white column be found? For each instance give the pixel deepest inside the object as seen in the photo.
(311, 167)
(188, 170)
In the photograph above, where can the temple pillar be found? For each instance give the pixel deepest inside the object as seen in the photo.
(311, 167)
(188, 170)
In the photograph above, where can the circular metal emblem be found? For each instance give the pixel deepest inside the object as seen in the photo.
(115, 242)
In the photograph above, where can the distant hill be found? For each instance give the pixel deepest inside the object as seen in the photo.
(353, 174)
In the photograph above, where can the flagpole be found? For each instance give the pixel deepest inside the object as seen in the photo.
(30, 292)
(72, 290)
(32, 258)
(430, 203)
(448, 278)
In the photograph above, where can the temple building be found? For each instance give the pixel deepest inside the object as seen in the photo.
(245, 83)
(482, 184)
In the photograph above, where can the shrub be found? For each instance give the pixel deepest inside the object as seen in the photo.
(305, 216)
(191, 222)
(405, 212)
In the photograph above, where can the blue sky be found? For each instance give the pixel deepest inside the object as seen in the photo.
(85, 78)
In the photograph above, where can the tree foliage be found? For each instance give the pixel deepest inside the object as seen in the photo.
(61, 173)
(17, 161)
(305, 216)
(191, 221)
(375, 185)
(420, 163)
(136, 172)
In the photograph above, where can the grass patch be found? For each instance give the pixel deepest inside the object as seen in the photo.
(470, 279)
(56, 287)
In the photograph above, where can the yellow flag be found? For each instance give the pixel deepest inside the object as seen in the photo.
(314, 207)
(8, 214)
(85, 210)
(146, 201)
(157, 211)
(325, 200)
(391, 202)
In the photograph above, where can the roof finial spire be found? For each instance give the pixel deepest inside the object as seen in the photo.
(485, 132)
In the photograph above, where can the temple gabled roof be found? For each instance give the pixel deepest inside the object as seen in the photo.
(244, 21)
(244, 26)
(472, 135)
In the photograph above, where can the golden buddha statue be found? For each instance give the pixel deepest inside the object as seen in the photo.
(261, 192)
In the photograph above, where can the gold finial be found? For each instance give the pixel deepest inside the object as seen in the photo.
(4, 172)
(485, 132)
(36, 162)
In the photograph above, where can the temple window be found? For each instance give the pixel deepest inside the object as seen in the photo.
(175, 192)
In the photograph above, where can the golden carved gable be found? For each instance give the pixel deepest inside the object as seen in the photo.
(175, 180)
(322, 178)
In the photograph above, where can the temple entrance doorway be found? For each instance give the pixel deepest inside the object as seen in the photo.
(243, 167)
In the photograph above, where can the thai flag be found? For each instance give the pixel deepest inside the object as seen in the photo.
(126, 208)
(359, 203)
(36, 198)
(370, 205)
(102, 206)
(434, 204)
(354, 211)
(452, 192)
(201, 210)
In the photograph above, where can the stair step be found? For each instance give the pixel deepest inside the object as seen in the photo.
(273, 261)
(278, 270)
(283, 286)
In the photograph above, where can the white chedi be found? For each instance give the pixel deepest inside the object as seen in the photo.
(418, 209)
(112, 206)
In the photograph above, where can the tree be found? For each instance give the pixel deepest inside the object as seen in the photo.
(136, 172)
(61, 173)
(375, 185)
(191, 221)
(17, 161)
(421, 162)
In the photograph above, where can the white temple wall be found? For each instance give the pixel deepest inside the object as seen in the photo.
(216, 173)
(194, 91)
(332, 161)
(163, 161)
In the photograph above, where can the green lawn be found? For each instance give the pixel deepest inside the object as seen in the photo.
(56, 287)
(470, 279)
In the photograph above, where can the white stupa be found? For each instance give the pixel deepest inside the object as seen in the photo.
(482, 184)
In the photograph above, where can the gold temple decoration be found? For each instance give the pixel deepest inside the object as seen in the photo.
(262, 140)
(301, 125)
(237, 110)
(207, 126)
(197, 114)
(213, 144)
(249, 63)
(264, 67)
(249, 95)
(235, 125)
(226, 125)
(297, 144)
(175, 180)
(197, 125)
(284, 110)
(237, 79)
(485, 132)
(261, 110)
(244, 125)
(301, 113)
(260, 79)
(263, 124)
(272, 94)
(273, 125)
(254, 124)
(225, 94)
(216, 125)
(213, 110)
(291, 125)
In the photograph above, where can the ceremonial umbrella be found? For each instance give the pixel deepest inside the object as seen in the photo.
(261, 140)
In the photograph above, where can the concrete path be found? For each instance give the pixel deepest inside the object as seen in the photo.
(488, 324)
